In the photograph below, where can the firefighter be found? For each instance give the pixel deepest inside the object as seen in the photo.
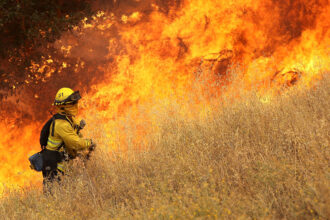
(64, 139)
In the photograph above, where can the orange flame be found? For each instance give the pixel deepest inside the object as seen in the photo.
(184, 58)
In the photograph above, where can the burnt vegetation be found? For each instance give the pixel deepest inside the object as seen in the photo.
(27, 30)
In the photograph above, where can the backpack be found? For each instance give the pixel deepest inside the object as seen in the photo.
(36, 160)
(44, 134)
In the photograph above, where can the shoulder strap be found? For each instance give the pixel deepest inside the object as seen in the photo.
(62, 117)
(58, 116)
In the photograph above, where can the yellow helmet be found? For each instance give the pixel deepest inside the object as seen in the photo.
(66, 96)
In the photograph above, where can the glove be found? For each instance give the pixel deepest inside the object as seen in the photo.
(92, 147)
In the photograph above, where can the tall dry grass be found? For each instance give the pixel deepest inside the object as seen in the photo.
(248, 160)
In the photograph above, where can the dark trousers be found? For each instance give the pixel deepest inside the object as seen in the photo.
(50, 172)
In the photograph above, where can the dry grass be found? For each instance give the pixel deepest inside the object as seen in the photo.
(249, 160)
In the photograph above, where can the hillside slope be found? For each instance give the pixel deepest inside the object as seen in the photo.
(247, 160)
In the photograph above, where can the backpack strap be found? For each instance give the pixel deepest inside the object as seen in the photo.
(59, 116)
(53, 125)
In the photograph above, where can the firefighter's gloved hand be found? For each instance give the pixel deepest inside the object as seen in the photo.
(92, 147)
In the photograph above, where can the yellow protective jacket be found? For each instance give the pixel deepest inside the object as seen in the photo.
(65, 132)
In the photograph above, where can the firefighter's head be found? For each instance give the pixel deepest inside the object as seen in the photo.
(66, 100)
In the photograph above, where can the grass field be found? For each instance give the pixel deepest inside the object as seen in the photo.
(247, 160)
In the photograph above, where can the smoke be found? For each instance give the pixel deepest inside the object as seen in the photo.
(278, 23)
(119, 7)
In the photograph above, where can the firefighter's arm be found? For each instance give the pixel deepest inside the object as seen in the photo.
(71, 139)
